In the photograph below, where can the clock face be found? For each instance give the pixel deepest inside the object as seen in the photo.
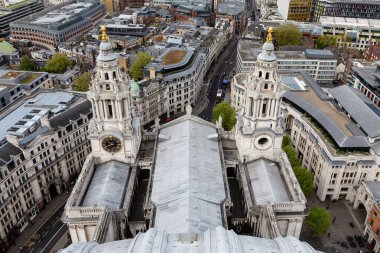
(111, 144)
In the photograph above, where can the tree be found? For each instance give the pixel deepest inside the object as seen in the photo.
(82, 82)
(225, 110)
(286, 141)
(58, 64)
(287, 34)
(325, 41)
(27, 64)
(137, 67)
(319, 221)
(304, 177)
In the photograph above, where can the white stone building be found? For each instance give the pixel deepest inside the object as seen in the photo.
(42, 149)
(320, 64)
(126, 185)
(355, 33)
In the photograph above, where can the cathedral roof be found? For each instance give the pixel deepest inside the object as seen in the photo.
(188, 185)
(211, 241)
(108, 185)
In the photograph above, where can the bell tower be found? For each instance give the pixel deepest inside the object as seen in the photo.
(115, 132)
(258, 131)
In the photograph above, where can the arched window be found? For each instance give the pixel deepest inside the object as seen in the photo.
(265, 86)
(106, 76)
(267, 76)
(108, 87)
(114, 75)
(260, 73)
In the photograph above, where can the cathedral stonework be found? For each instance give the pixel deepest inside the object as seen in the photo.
(114, 131)
(258, 131)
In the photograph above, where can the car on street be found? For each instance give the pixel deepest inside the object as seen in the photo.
(344, 245)
(352, 244)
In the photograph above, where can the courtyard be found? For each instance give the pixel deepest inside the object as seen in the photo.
(344, 214)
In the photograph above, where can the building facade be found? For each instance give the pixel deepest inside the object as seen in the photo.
(347, 8)
(42, 147)
(357, 33)
(366, 79)
(320, 64)
(372, 53)
(298, 10)
(9, 15)
(60, 23)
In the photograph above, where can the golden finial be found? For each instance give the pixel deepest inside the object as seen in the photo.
(104, 34)
(269, 37)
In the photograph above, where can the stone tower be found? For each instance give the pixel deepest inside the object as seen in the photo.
(258, 131)
(115, 132)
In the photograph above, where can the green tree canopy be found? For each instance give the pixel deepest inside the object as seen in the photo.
(319, 221)
(287, 34)
(228, 115)
(304, 177)
(325, 41)
(27, 64)
(58, 64)
(137, 68)
(286, 141)
(82, 82)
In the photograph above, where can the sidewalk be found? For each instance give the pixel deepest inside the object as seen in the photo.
(202, 102)
(39, 221)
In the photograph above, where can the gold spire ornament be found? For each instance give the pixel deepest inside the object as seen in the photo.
(269, 36)
(104, 34)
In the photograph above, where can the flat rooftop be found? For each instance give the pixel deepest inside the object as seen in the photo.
(349, 22)
(20, 120)
(250, 49)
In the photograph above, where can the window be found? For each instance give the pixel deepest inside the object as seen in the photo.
(267, 76)
(106, 76)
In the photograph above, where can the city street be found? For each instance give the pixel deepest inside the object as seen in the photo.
(224, 65)
(47, 235)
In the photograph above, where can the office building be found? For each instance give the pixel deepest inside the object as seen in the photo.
(60, 23)
(42, 148)
(354, 33)
(320, 64)
(366, 79)
(15, 12)
(297, 10)
(367, 9)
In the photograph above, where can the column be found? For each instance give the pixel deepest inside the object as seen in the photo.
(257, 105)
(272, 104)
(95, 112)
(81, 233)
(36, 190)
(73, 234)
(261, 101)
(253, 107)
(97, 109)
(23, 203)
(275, 108)
(64, 170)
